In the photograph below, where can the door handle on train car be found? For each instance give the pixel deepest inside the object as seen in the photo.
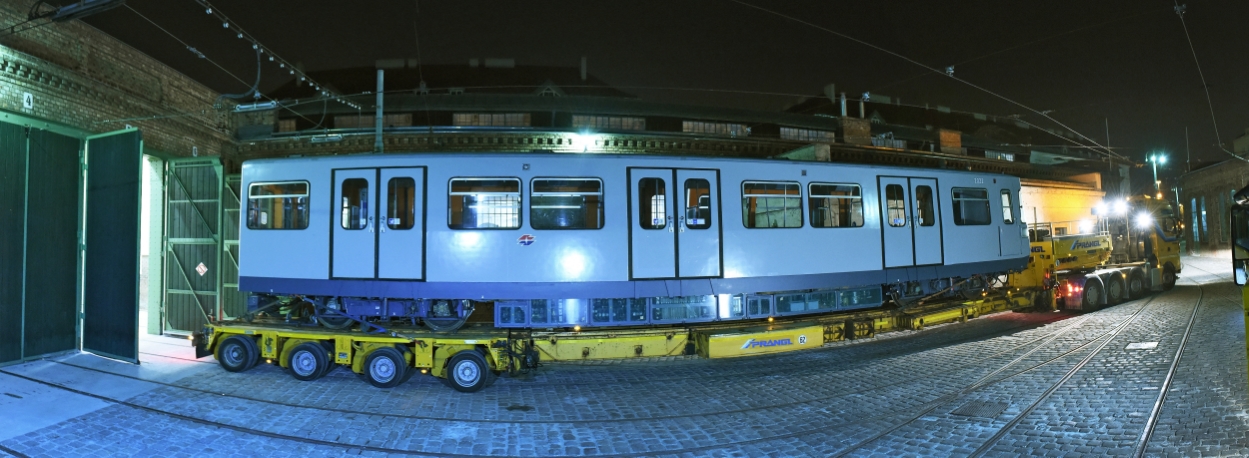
(370, 223)
(681, 223)
(669, 223)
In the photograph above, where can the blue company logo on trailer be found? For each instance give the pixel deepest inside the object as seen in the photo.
(752, 343)
(525, 240)
(1079, 244)
(1038, 249)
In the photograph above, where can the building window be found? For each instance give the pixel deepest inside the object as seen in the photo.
(1008, 216)
(484, 203)
(608, 122)
(1196, 233)
(715, 128)
(566, 203)
(835, 205)
(282, 205)
(1000, 155)
(971, 206)
(369, 121)
(808, 135)
(491, 119)
(286, 125)
(895, 204)
(769, 204)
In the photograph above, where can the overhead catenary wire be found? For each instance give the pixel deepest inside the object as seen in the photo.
(1179, 11)
(1103, 150)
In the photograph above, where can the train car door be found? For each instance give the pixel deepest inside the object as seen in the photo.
(352, 224)
(401, 227)
(895, 225)
(1009, 234)
(674, 223)
(698, 223)
(926, 219)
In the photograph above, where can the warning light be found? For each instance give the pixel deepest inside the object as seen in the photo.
(576, 328)
(770, 319)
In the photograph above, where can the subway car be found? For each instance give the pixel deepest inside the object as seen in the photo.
(592, 240)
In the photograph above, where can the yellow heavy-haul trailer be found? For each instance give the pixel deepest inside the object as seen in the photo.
(1129, 247)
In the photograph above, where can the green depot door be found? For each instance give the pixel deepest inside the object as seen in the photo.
(110, 299)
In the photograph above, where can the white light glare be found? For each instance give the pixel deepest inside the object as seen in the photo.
(1121, 207)
(1100, 209)
(1144, 220)
(1086, 226)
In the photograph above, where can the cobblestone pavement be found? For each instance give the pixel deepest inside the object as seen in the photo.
(947, 391)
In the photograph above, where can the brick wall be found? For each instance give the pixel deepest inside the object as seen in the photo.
(82, 78)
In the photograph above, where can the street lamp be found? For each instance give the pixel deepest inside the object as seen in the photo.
(1156, 159)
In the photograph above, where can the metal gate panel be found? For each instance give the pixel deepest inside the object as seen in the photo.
(110, 298)
(192, 243)
(12, 238)
(51, 244)
(233, 303)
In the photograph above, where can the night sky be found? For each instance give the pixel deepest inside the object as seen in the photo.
(1122, 61)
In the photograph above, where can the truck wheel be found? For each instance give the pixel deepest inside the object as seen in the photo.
(237, 353)
(1092, 296)
(468, 372)
(1116, 292)
(308, 361)
(329, 350)
(1168, 277)
(1136, 284)
(385, 368)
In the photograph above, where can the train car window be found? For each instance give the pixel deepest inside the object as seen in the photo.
(835, 205)
(971, 206)
(566, 203)
(1007, 217)
(281, 205)
(355, 192)
(401, 203)
(653, 211)
(697, 203)
(895, 203)
(770, 204)
(484, 203)
(923, 206)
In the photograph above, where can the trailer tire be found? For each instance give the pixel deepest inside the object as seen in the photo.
(237, 353)
(468, 372)
(385, 368)
(1116, 291)
(1092, 295)
(308, 361)
(329, 349)
(1168, 277)
(1136, 284)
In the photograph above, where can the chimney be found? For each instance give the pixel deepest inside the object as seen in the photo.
(582, 68)
(843, 104)
(830, 92)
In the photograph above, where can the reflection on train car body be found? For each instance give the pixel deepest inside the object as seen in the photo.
(602, 240)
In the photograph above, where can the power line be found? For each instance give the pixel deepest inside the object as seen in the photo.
(1105, 151)
(1179, 11)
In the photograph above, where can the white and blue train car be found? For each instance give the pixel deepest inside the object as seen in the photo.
(558, 240)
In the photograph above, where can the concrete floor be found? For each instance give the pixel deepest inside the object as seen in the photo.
(1002, 385)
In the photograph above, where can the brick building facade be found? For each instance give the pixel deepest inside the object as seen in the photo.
(1205, 197)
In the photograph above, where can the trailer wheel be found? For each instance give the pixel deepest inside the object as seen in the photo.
(468, 372)
(1136, 284)
(1168, 277)
(1092, 296)
(385, 368)
(1116, 292)
(237, 353)
(308, 361)
(330, 364)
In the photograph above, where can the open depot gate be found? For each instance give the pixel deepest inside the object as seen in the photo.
(201, 245)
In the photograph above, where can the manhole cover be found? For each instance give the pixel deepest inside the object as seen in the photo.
(983, 409)
(1142, 345)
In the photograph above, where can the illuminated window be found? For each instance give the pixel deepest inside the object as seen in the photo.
(484, 203)
(401, 203)
(491, 119)
(971, 206)
(1000, 155)
(608, 122)
(566, 203)
(355, 192)
(715, 128)
(281, 205)
(768, 204)
(808, 135)
(924, 213)
(1007, 216)
(835, 205)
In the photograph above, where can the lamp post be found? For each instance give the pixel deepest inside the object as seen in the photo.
(1156, 159)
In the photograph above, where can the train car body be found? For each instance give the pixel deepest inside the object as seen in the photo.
(609, 240)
